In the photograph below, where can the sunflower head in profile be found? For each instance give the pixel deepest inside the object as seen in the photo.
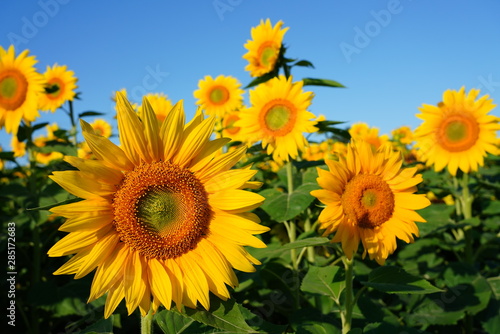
(264, 47)
(220, 95)
(164, 217)
(458, 132)
(60, 86)
(278, 117)
(368, 197)
(20, 86)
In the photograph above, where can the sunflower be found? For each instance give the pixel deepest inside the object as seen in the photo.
(102, 128)
(160, 103)
(229, 130)
(264, 48)
(61, 85)
(278, 117)
(361, 131)
(20, 86)
(46, 157)
(163, 218)
(369, 198)
(220, 95)
(458, 132)
(18, 147)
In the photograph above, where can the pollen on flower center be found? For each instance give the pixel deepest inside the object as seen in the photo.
(458, 133)
(13, 89)
(279, 117)
(368, 201)
(161, 210)
(219, 95)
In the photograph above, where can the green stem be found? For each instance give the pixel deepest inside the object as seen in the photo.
(307, 228)
(349, 300)
(466, 200)
(147, 323)
(34, 215)
(292, 229)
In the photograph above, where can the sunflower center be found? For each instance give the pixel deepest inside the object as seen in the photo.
(230, 128)
(279, 117)
(55, 88)
(13, 89)
(219, 95)
(267, 53)
(161, 210)
(368, 201)
(458, 133)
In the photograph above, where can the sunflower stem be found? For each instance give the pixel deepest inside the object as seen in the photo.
(349, 300)
(147, 323)
(307, 228)
(34, 215)
(466, 200)
(73, 124)
(292, 230)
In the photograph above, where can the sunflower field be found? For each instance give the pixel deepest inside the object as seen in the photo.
(253, 216)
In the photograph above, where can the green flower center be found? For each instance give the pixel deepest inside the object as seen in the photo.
(219, 95)
(13, 89)
(458, 132)
(277, 117)
(267, 56)
(161, 210)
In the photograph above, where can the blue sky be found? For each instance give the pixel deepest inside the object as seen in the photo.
(392, 55)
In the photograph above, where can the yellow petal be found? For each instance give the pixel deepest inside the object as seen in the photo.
(160, 282)
(235, 200)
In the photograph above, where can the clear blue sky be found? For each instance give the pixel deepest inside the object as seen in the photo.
(392, 55)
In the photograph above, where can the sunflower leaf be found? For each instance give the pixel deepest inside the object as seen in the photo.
(90, 113)
(223, 315)
(50, 206)
(173, 322)
(322, 82)
(395, 280)
(284, 206)
(327, 281)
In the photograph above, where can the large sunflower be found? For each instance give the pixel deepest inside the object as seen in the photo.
(458, 132)
(163, 218)
(220, 95)
(264, 48)
(61, 85)
(278, 116)
(20, 85)
(369, 198)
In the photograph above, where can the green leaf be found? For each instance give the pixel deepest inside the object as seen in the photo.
(263, 78)
(466, 288)
(102, 326)
(327, 281)
(172, 322)
(50, 206)
(304, 63)
(7, 156)
(429, 312)
(223, 315)
(395, 280)
(90, 113)
(322, 82)
(282, 206)
(66, 149)
(493, 208)
(315, 241)
(494, 283)
(437, 216)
